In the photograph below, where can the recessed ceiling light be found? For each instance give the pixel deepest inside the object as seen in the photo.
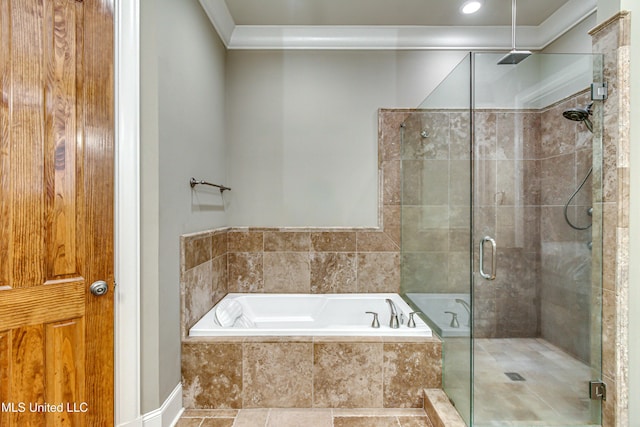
(471, 6)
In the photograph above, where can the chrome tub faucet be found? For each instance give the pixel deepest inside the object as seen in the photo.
(393, 321)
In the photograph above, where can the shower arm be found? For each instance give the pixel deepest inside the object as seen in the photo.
(513, 24)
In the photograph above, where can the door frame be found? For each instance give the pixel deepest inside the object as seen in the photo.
(127, 213)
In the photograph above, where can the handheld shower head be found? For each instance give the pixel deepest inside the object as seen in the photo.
(580, 115)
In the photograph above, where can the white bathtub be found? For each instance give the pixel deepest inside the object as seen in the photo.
(312, 315)
(435, 308)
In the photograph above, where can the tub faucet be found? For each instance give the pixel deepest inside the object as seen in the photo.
(393, 321)
(466, 307)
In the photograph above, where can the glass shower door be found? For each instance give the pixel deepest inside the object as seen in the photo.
(436, 225)
(536, 240)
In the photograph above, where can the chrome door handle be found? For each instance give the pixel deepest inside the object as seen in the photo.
(494, 259)
(99, 288)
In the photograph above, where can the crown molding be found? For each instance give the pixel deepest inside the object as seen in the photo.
(394, 37)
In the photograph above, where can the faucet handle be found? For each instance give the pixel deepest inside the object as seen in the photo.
(454, 319)
(412, 323)
(375, 323)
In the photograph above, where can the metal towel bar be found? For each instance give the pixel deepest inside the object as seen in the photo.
(193, 182)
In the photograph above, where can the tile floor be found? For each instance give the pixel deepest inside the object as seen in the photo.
(304, 418)
(554, 391)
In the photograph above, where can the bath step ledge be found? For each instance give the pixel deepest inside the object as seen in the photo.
(439, 409)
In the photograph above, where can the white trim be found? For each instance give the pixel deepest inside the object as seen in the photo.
(169, 413)
(394, 37)
(166, 416)
(220, 17)
(127, 211)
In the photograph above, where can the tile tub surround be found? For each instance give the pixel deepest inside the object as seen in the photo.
(251, 260)
(313, 260)
(309, 372)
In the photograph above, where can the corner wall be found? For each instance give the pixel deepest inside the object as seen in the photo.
(182, 135)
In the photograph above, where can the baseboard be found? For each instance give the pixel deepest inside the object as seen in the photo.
(166, 415)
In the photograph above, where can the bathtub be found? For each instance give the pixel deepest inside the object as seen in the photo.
(435, 306)
(310, 315)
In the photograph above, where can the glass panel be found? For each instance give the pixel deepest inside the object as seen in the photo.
(436, 200)
(536, 326)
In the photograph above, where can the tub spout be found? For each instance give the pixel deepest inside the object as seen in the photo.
(393, 321)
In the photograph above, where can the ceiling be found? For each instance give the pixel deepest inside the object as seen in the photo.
(386, 12)
(391, 24)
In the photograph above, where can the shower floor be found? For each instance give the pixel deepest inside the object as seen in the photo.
(554, 391)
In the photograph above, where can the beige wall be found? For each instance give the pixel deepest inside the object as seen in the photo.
(182, 132)
(302, 131)
(576, 40)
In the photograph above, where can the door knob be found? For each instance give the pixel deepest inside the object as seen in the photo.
(99, 288)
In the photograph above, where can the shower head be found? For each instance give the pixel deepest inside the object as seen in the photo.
(514, 57)
(580, 115)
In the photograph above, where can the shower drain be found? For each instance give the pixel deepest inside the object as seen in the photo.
(514, 376)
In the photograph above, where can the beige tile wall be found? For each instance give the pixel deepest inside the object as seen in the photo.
(306, 372)
(612, 39)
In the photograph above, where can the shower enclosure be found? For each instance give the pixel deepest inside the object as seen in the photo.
(501, 236)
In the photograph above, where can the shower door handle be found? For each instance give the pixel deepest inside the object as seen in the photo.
(492, 275)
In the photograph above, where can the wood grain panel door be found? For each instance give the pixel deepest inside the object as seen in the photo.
(56, 212)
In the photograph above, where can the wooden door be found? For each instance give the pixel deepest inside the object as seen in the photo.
(56, 212)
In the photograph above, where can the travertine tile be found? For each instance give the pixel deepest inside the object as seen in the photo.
(219, 278)
(440, 411)
(245, 241)
(389, 122)
(217, 422)
(379, 272)
(277, 375)
(391, 182)
(333, 272)
(252, 418)
(300, 417)
(414, 422)
(287, 272)
(245, 272)
(347, 375)
(333, 241)
(219, 244)
(189, 422)
(409, 368)
(210, 413)
(376, 241)
(198, 296)
(211, 375)
(287, 241)
(391, 223)
(197, 249)
(366, 422)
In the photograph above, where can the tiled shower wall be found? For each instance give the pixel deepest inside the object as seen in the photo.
(526, 163)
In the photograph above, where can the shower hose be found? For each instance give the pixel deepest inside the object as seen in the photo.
(566, 206)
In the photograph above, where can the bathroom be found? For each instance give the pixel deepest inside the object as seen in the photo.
(251, 122)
